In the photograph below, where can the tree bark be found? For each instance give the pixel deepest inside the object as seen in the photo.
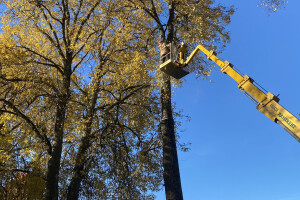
(54, 161)
(55, 157)
(170, 159)
(79, 172)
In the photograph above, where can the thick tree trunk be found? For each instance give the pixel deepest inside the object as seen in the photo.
(55, 157)
(54, 161)
(170, 159)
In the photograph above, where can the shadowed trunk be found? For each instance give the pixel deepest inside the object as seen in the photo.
(55, 157)
(78, 171)
(86, 141)
(54, 161)
(170, 159)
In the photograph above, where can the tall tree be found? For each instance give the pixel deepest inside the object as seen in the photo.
(78, 98)
(74, 85)
(193, 22)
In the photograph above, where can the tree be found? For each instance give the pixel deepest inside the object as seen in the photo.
(193, 22)
(72, 97)
(79, 102)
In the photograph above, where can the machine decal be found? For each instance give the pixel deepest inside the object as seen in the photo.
(291, 124)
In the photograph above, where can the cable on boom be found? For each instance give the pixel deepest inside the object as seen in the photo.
(250, 97)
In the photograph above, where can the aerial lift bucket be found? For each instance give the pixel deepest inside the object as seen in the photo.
(172, 69)
(170, 64)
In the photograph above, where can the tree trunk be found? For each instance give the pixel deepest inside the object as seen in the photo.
(170, 159)
(54, 161)
(55, 157)
(78, 171)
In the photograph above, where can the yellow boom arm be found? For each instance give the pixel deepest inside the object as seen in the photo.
(266, 103)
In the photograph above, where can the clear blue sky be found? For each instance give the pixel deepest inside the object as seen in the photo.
(237, 153)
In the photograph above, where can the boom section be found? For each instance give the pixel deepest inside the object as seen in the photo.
(266, 103)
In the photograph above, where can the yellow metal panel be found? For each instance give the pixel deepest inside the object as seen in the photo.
(235, 75)
(270, 110)
(254, 91)
(203, 49)
(217, 61)
(275, 111)
(189, 59)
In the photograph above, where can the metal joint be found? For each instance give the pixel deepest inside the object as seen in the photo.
(246, 79)
(211, 53)
(227, 64)
(268, 99)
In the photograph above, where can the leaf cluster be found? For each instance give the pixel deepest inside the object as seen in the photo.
(273, 5)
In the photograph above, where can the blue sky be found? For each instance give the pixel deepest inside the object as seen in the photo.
(237, 153)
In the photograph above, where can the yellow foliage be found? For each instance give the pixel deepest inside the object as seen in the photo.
(273, 5)
(89, 70)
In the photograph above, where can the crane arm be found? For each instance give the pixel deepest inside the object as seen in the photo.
(266, 103)
(244, 82)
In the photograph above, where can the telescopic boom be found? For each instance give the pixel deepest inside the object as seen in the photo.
(267, 103)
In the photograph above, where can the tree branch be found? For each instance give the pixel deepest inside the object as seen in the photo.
(18, 113)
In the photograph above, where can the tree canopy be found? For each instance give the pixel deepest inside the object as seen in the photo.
(79, 93)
